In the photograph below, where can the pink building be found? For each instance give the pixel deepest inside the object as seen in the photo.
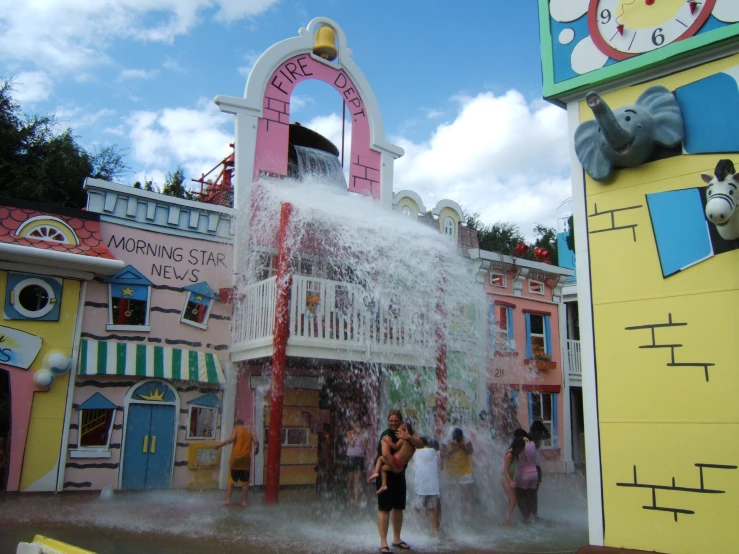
(524, 362)
(148, 389)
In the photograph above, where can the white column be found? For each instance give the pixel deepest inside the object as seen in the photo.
(587, 347)
(387, 162)
(566, 410)
(228, 413)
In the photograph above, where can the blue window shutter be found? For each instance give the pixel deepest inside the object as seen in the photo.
(531, 408)
(514, 396)
(509, 311)
(555, 400)
(528, 336)
(491, 327)
(547, 335)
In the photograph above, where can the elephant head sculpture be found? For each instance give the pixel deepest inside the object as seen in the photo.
(627, 136)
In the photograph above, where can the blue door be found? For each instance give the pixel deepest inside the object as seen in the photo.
(159, 466)
(147, 462)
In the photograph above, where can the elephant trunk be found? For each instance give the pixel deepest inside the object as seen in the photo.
(615, 135)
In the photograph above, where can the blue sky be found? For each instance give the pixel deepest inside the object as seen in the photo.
(458, 83)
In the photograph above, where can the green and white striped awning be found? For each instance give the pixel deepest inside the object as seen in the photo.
(144, 360)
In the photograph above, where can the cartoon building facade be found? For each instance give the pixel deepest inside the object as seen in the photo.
(48, 258)
(524, 363)
(656, 263)
(148, 385)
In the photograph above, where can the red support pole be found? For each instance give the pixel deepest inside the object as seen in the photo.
(279, 357)
(441, 384)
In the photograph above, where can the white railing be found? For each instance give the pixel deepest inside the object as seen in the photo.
(255, 313)
(338, 313)
(332, 315)
(573, 357)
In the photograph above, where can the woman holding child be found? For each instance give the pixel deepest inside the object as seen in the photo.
(393, 498)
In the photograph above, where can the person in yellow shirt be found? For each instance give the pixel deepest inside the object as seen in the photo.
(240, 462)
(457, 464)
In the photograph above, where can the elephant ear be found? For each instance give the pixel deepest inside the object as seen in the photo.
(662, 105)
(588, 150)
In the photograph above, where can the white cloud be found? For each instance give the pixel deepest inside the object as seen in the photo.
(197, 139)
(500, 156)
(67, 35)
(79, 118)
(433, 114)
(129, 74)
(172, 65)
(31, 87)
(297, 103)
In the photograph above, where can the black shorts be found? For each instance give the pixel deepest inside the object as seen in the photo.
(355, 463)
(240, 475)
(394, 497)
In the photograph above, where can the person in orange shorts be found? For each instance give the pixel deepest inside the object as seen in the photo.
(240, 462)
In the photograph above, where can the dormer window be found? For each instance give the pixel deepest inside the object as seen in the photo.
(200, 298)
(536, 287)
(47, 228)
(129, 298)
(449, 228)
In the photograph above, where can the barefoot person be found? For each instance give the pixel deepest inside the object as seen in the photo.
(395, 456)
(240, 462)
(355, 446)
(393, 499)
(510, 462)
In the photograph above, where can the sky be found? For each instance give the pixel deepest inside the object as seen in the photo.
(458, 84)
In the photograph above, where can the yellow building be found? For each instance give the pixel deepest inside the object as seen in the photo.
(658, 284)
(47, 254)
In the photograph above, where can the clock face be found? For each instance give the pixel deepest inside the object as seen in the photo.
(624, 28)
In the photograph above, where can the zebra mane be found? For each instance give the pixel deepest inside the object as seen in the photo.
(723, 169)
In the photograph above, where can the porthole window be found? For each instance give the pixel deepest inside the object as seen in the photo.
(406, 210)
(33, 298)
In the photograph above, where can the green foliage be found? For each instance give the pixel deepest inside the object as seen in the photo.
(174, 185)
(504, 236)
(570, 236)
(40, 163)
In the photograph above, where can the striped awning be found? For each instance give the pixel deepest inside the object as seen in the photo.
(144, 360)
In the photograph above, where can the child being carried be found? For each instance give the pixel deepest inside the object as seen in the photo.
(394, 456)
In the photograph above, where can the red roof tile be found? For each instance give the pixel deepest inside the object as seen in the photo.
(88, 233)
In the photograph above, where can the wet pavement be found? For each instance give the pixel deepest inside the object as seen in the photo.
(179, 521)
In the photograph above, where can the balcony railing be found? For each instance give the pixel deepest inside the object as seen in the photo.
(573, 357)
(334, 320)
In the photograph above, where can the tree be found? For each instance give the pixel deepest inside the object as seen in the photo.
(40, 163)
(504, 236)
(174, 185)
(499, 237)
(546, 238)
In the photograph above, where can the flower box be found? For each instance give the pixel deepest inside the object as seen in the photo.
(541, 364)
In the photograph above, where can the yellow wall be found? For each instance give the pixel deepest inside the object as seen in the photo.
(448, 212)
(407, 202)
(297, 464)
(43, 444)
(661, 419)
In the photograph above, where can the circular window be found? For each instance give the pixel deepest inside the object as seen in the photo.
(405, 210)
(35, 298)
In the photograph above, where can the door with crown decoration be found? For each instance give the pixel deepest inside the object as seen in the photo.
(149, 438)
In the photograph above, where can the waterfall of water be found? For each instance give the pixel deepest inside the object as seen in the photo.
(324, 166)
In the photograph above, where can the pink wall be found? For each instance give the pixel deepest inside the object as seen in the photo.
(22, 389)
(272, 132)
(510, 370)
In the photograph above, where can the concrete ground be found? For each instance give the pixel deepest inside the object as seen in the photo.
(179, 521)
